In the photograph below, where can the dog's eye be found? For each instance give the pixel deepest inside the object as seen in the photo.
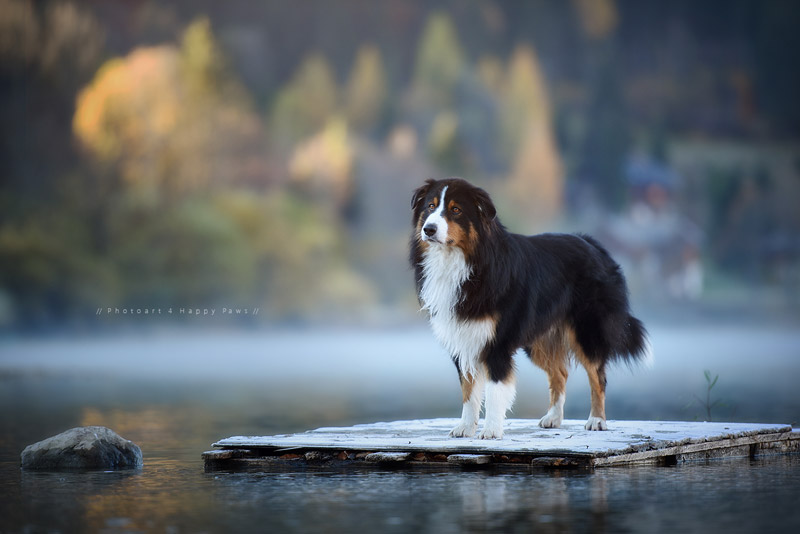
(431, 206)
(456, 210)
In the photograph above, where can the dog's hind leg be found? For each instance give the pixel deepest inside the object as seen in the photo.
(550, 353)
(596, 370)
(597, 382)
(472, 385)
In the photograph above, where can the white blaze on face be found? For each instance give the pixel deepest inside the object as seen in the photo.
(436, 220)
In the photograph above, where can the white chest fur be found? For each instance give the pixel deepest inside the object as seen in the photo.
(445, 269)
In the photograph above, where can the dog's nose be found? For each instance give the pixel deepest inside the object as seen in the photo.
(429, 230)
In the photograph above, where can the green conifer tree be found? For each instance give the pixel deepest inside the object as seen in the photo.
(366, 89)
(440, 61)
(305, 104)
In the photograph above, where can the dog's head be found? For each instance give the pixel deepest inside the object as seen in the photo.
(451, 213)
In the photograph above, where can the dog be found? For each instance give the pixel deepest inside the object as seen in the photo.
(490, 292)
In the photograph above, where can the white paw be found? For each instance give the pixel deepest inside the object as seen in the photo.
(491, 432)
(550, 421)
(596, 423)
(464, 430)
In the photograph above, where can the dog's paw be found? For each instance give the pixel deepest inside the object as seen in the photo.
(550, 421)
(464, 431)
(491, 432)
(596, 423)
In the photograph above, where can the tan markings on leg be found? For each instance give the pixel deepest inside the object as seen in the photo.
(472, 389)
(550, 353)
(467, 383)
(597, 382)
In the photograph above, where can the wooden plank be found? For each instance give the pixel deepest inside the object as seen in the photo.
(387, 457)
(521, 436)
(469, 459)
(426, 442)
(692, 449)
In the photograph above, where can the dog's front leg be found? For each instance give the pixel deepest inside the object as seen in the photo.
(472, 389)
(499, 398)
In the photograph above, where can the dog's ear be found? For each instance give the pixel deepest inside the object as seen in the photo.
(485, 205)
(421, 193)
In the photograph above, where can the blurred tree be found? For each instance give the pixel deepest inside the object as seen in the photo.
(439, 64)
(525, 103)
(299, 254)
(606, 139)
(19, 32)
(598, 18)
(47, 51)
(490, 73)
(202, 65)
(444, 145)
(432, 97)
(536, 180)
(130, 110)
(60, 42)
(187, 255)
(306, 103)
(366, 93)
(322, 166)
(172, 120)
(48, 274)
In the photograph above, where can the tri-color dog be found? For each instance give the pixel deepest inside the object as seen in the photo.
(490, 292)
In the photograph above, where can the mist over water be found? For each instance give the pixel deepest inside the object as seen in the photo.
(176, 392)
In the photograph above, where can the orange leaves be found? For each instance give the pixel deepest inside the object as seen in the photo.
(170, 120)
(131, 106)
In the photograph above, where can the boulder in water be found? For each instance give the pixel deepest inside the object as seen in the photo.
(87, 447)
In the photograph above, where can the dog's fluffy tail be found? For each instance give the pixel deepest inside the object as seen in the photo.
(634, 345)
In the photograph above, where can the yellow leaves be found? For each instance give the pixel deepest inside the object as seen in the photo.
(201, 61)
(525, 102)
(170, 120)
(324, 163)
(130, 106)
(536, 181)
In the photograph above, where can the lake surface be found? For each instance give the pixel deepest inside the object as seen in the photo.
(174, 393)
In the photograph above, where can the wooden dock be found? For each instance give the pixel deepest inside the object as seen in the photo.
(425, 443)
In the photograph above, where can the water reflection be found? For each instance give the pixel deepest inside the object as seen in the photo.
(175, 495)
(741, 496)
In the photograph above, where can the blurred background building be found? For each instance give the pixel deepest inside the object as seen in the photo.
(261, 155)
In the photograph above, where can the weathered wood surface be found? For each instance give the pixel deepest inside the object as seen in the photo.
(427, 442)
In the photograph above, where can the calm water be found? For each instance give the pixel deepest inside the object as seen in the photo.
(174, 394)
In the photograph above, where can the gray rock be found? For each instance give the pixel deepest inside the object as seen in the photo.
(87, 447)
